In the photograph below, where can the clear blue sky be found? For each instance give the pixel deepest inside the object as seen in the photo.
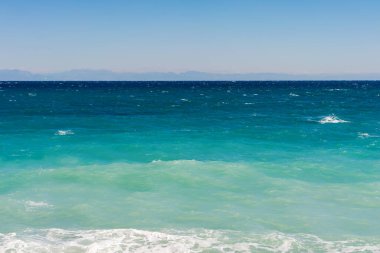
(224, 36)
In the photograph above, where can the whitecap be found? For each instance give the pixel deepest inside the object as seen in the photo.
(33, 205)
(64, 132)
(332, 119)
(176, 161)
(293, 95)
(363, 135)
(36, 204)
(367, 135)
(31, 94)
(336, 89)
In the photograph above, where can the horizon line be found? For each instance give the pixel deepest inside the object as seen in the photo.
(195, 80)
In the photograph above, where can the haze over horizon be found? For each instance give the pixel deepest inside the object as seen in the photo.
(106, 75)
(310, 37)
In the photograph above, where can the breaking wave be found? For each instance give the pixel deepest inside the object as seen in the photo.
(64, 132)
(32, 205)
(332, 119)
(131, 240)
(367, 135)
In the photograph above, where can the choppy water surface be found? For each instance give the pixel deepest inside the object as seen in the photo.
(190, 166)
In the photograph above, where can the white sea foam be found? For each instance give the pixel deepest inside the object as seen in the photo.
(131, 240)
(335, 89)
(36, 204)
(64, 132)
(176, 162)
(332, 119)
(363, 135)
(33, 205)
(367, 135)
(293, 95)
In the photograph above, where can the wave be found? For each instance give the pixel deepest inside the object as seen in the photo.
(332, 119)
(32, 205)
(367, 135)
(132, 240)
(336, 89)
(64, 132)
(176, 162)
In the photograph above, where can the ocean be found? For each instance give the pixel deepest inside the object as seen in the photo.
(190, 166)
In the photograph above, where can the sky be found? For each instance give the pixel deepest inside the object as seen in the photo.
(219, 36)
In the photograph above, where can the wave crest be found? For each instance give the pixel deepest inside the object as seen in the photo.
(131, 240)
(64, 132)
(332, 119)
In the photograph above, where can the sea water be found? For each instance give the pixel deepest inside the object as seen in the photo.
(190, 166)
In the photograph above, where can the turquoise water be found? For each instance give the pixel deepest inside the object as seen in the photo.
(190, 166)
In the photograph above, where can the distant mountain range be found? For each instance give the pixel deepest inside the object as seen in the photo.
(106, 75)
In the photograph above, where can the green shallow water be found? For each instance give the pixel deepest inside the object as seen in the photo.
(249, 166)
